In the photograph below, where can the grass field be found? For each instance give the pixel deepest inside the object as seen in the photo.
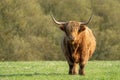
(58, 70)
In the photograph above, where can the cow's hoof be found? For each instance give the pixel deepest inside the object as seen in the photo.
(82, 73)
(73, 73)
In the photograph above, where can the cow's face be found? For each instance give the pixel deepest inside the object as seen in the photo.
(72, 29)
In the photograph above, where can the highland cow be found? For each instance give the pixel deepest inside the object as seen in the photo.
(78, 44)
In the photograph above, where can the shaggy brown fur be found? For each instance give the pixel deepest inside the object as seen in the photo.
(78, 46)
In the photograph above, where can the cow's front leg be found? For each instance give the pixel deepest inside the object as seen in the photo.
(70, 68)
(81, 71)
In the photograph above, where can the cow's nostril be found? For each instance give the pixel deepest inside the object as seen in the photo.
(72, 39)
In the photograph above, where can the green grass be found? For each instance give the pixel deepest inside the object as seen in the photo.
(58, 70)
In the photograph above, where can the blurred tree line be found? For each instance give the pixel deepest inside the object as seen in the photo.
(28, 33)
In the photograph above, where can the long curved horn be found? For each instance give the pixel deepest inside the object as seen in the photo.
(85, 23)
(59, 23)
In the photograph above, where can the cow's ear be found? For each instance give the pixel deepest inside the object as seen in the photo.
(82, 28)
(62, 27)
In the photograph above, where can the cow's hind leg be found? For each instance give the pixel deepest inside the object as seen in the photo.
(75, 69)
